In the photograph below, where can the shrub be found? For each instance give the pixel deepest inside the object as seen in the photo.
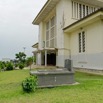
(21, 65)
(9, 66)
(16, 65)
(30, 84)
(2, 65)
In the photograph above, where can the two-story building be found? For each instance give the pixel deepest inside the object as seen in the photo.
(71, 29)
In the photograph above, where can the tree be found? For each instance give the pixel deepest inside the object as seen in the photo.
(29, 61)
(21, 57)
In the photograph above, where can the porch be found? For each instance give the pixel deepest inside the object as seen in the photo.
(46, 56)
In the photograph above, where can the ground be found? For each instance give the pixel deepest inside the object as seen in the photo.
(90, 90)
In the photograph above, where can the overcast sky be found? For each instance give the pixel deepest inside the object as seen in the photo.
(16, 29)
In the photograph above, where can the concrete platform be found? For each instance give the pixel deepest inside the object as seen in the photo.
(51, 78)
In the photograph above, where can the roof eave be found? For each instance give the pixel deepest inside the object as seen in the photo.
(86, 20)
(34, 21)
(49, 5)
(35, 45)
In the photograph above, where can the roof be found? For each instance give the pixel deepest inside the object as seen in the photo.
(49, 5)
(85, 21)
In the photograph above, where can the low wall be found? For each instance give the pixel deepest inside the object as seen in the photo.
(54, 78)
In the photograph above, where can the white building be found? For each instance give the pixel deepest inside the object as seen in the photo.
(6, 59)
(71, 29)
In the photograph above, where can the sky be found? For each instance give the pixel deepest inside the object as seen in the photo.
(16, 28)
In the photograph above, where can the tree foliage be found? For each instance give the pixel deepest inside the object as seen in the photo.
(29, 61)
(21, 65)
(21, 57)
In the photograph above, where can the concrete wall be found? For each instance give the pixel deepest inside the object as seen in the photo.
(64, 18)
(93, 57)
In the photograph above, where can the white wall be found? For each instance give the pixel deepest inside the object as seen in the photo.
(64, 18)
(93, 57)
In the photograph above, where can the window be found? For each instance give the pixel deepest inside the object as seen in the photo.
(83, 41)
(50, 33)
(81, 36)
(79, 42)
(87, 12)
(80, 10)
(47, 34)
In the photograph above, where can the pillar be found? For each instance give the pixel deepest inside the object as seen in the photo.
(45, 57)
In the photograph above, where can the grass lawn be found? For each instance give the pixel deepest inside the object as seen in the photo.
(90, 90)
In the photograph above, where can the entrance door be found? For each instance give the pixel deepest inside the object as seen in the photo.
(51, 59)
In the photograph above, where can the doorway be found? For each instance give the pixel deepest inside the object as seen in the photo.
(51, 59)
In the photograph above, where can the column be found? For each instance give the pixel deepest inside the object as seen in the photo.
(45, 57)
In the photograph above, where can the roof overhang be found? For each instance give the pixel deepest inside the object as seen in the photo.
(98, 15)
(35, 45)
(49, 5)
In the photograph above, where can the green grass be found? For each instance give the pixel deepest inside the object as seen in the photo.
(90, 90)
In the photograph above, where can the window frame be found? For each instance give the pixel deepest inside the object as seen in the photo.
(81, 40)
(50, 42)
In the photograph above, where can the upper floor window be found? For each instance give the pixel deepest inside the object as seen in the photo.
(80, 10)
(50, 32)
(82, 40)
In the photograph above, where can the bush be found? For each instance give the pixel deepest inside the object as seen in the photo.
(30, 84)
(21, 65)
(2, 65)
(9, 66)
(16, 65)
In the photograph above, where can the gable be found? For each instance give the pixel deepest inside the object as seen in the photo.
(50, 4)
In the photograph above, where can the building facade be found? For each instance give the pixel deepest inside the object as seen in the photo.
(71, 29)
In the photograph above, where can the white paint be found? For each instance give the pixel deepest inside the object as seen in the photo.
(93, 57)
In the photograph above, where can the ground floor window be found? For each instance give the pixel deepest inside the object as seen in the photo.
(81, 37)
